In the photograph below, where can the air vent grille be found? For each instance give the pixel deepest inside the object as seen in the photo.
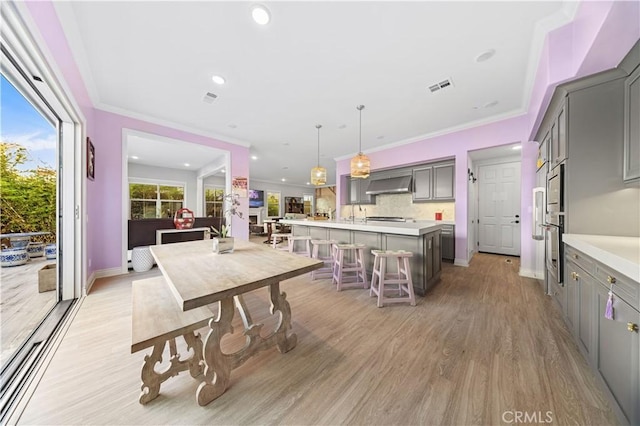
(209, 97)
(441, 85)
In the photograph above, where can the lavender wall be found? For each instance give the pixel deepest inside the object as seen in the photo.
(596, 40)
(104, 219)
(599, 37)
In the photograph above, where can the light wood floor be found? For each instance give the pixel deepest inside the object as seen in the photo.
(22, 307)
(483, 342)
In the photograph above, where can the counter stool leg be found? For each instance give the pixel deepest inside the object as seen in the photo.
(407, 272)
(383, 272)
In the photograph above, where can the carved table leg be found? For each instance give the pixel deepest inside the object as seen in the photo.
(218, 367)
(151, 379)
(285, 341)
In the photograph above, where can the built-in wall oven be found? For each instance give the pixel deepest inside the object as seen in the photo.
(554, 223)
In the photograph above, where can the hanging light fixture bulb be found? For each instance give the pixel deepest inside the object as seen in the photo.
(360, 164)
(318, 174)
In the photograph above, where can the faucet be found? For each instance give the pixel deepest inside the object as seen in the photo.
(353, 215)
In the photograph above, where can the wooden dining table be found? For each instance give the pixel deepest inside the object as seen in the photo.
(197, 277)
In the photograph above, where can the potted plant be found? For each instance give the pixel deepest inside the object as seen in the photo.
(223, 243)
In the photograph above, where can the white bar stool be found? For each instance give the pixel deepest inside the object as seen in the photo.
(278, 238)
(327, 270)
(305, 239)
(354, 274)
(401, 280)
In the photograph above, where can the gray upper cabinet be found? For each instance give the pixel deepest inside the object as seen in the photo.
(443, 182)
(422, 184)
(631, 169)
(434, 182)
(558, 136)
(357, 191)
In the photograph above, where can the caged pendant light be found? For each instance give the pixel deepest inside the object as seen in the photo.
(360, 164)
(318, 174)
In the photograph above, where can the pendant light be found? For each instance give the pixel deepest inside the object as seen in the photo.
(318, 174)
(360, 164)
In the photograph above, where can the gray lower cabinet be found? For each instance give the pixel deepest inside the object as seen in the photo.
(617, 361)
(631, 169)
(611, 346)
(448, 243)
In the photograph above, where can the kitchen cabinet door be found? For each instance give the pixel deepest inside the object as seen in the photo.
(617, 360)
(443, 182)
(571, 303)
(558, 136)
(631, 169)
(358, 191)
(579, 306)
(422, 184)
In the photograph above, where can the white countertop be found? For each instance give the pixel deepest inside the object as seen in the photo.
(411, 228)
(619, 253)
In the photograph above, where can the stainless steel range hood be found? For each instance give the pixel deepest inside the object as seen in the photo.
(396, 185)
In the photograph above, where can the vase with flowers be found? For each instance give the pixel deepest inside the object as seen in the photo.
(223, 243)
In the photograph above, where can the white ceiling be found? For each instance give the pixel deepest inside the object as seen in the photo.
(312, 64)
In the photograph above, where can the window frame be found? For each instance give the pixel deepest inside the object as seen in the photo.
(221, 202)
(158, 183)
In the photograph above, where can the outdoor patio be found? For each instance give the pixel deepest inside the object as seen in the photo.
(22, 307)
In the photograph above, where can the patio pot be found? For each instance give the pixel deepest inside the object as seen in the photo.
(50, 251)
(35, 249)
(13, 257)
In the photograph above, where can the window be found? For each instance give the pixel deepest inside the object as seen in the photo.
(273, 204)
(213, 201)
(149, 200)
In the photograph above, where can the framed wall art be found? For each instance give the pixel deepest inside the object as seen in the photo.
(91, 160)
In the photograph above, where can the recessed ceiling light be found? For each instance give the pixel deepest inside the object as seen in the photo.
(134, 157)
(223, 171)
(218, 79)
(283, 179)
(260, 14)
(254, 157)
(486, 55)
(517, 147)
(187, 164)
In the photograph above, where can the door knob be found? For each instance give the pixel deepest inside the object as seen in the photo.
(632, 327)
(610, 279)
(517, 215)
(515, 221)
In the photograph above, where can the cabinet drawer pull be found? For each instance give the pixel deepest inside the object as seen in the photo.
(632, 327)
(575, 256)
(610, 279)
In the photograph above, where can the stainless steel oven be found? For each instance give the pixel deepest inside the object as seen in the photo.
(555, 192)
(554, 251)
(554, 223)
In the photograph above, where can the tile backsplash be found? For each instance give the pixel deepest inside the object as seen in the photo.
(402, 205)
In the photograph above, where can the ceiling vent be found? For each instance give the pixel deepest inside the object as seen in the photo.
(441, 85)
(209, 97)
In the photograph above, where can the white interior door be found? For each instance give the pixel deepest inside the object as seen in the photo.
(499, 208)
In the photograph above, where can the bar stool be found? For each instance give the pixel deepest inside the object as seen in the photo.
(278, 238)
(401, 279)
(292, 244)
(327, 270)
(354, 274)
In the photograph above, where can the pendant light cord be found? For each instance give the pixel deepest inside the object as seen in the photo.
(360, 108)
(318, 127)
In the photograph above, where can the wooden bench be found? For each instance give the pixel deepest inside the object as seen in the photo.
(157, 320)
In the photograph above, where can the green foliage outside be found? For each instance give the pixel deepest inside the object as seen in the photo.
(27, 198)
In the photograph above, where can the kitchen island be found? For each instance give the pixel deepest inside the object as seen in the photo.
(422, 238)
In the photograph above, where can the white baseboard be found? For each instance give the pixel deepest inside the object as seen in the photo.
(102, 273)
(461, 262)
(530, 273)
